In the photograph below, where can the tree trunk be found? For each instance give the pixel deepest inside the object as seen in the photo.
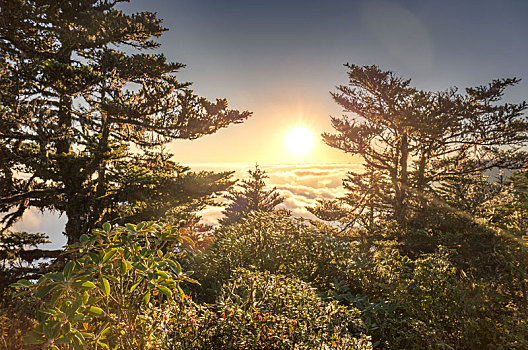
(402, 185)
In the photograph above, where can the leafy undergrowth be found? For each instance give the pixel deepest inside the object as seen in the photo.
(274, 282)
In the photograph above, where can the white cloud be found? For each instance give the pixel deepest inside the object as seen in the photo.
(47, 222)
(300, 185)
(211, 215)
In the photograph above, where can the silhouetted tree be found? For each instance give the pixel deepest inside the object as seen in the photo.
(412, 140)
(354, 207)
(19, 257)
(83, 122)
(469, 193)
(252, 196)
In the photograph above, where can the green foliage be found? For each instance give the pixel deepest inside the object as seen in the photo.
(17, 318)
(429, 303)
(15, 258)
(411, 294)
(509, 209)
(107, 291)
(252, 196)
(411, 140)
(272, 242)
(273, 281)
(411, 263)
(84, 122)
(258, 310)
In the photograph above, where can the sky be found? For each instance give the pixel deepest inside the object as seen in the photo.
(280, 60)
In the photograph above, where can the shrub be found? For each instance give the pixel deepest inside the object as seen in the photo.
(257, 310)
(110, 291)
(446, 306)
(271, 242)
(429, 303)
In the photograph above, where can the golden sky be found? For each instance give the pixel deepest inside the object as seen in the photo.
(263, 139)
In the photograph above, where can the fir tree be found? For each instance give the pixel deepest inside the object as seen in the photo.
(85, 113)
(252, 196)
(410, 140)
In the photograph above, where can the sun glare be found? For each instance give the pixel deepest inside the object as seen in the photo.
(300, 141)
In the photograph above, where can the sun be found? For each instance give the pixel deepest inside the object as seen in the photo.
(300, 141)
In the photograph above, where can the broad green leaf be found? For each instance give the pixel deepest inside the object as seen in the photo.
(112, 278)
(51, 312)
(107, 227)
(134, 287)
(66, 328)
(68, 269)
(55, 277)
(94, 257)
(108, 256)
(22, 283)
(24, 292)
(94, 310)
(178, 267)
(78, 318)
(76, 304)
(81, 336)
(140, 266)
(171, 263)
(190, 280)
(182, 293)
(77, 344)
(146, 297)
(162, 274)
(87, 335)
(104, 330)
(165, 291)
(106, 286)
(79, 340)
(43, 291)
(33, 338)
(125, 266)
(63, 340)
(46, 328)
(88, 284)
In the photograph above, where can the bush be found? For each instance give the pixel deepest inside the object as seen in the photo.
(446, 306)
(258, 310)
(271, 242)
(110, 292)
(429, 303)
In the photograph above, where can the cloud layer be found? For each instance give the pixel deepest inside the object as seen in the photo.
(300, 185)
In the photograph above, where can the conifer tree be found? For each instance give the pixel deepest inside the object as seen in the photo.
(411, 140)
(85, 113)
(252, 196)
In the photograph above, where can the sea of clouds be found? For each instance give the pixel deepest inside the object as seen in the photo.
(300, 185)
